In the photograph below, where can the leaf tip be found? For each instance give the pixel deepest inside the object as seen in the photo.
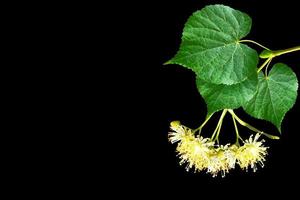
(279, 129)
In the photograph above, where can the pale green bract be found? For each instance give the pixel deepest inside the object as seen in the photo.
(210, 45)
(276, 95)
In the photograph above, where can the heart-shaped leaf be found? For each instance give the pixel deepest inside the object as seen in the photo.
(276, 95)
(220, 96)
(210, 45)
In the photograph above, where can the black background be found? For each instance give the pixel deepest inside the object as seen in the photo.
(102, 65)
(160, 94)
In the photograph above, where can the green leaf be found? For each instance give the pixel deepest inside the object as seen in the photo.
(210, 45)
(276, 95)
(220, 96)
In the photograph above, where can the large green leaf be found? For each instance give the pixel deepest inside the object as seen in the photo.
(276, 95)
(210, 45)
(220, 96)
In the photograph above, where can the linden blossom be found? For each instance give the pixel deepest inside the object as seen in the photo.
(218, 161)
(252, 152)
(202, 154)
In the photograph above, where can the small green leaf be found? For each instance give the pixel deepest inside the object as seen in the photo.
(276, 95)
(210, 45)
(220, 96)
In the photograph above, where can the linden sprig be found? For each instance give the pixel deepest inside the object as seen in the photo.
(228, 76)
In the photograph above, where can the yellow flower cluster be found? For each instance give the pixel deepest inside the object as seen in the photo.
(202, 154)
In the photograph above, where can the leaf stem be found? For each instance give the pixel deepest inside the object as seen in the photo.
(215, 131)
(218, 132)
(284, 51)
(271, 54)
(236, 131)
(203, 124)
(266, 69)
(218, 128)
(267, 62)
(251, 127)
(251, 41)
